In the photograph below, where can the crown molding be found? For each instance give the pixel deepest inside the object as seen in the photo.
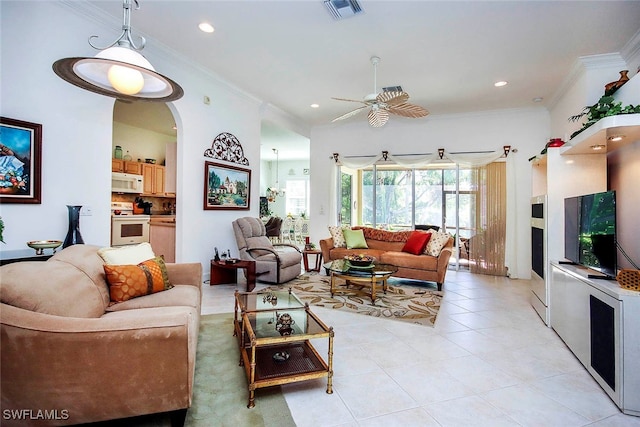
(580, 67)
(631, 51)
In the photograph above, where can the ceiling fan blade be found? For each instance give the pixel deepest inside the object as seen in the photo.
(349, 114)
(348, 100)
(392, 98)
(378, 117)
(408, 110)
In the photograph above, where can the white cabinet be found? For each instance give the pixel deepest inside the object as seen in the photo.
(598, 321)
(555, 177)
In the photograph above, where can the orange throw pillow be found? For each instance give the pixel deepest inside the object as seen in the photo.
(131, 281)
(417, 242)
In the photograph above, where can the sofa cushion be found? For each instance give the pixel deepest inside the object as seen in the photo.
(131, 254)
(337, 235)
(403, 259)
(354, 239)
(179, 295)
(436, 243)
(339, 253)
(417, 243)
(384, 235)
(131, 281)
(51, 287)
(86, 259)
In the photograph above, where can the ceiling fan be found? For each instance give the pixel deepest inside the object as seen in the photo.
(391, 100)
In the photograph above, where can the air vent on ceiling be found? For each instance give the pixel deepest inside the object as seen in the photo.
(392, 89)
(341, 9)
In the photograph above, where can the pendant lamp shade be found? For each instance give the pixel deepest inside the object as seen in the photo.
(119, 71)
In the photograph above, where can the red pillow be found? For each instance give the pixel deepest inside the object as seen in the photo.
(417, 242)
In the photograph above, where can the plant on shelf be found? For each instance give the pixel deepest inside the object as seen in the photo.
(606, 106)
(1, 230)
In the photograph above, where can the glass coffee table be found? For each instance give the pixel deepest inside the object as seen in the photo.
(361, 277)
(274, 329)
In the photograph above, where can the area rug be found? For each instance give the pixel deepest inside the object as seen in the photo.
(221, 392)
(405, 300)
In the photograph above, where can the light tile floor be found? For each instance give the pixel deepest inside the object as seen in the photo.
(489, 361)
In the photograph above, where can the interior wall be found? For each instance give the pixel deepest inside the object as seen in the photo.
(140, 143)
(624, 176)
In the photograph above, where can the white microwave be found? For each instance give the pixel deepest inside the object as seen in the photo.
(126, 183)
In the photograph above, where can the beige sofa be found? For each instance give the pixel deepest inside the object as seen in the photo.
(67, 351)
(386, 247)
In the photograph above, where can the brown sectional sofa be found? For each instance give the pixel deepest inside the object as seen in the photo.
(66, 349)
(386, 247)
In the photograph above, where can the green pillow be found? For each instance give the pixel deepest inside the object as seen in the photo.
(355, 239)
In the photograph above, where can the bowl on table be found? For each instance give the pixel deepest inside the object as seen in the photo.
(359, 260)
(41, 245)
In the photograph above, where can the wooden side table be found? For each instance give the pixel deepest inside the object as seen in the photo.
(226, 272)
(305, 258)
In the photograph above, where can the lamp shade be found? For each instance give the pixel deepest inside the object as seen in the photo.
(118, 72)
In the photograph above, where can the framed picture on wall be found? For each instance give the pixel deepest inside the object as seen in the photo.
(226, 187)
(20, 161)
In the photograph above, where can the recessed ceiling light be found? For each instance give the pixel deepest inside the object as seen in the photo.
(315, 106)
(500, 83)
(615, 138)
(597, 147)
(206, 27)
(537, 99)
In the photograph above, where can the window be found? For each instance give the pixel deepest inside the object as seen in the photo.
(297, 196)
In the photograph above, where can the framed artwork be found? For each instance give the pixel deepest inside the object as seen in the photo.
(20, 161)
(226, 187)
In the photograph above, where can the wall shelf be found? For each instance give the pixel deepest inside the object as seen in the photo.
(627, 125)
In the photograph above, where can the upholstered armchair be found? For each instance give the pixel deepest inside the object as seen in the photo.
(273, 227)
(275, 263)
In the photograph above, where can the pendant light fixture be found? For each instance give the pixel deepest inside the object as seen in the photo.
(119, 70)
(273, 192)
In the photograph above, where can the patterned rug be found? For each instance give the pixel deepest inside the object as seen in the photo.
(405, 300)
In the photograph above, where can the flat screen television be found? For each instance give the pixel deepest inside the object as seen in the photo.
(590, 231)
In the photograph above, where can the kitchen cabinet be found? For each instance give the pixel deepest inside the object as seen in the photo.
(162, 237)
(154, 176)
(119, 165)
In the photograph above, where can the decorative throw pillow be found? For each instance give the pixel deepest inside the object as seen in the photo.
(130, 281)
(417, 242)
(131, 254)
(436, 242)
(355, 239)
(338, 236)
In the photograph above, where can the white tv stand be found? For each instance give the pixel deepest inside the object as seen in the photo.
(600, 323)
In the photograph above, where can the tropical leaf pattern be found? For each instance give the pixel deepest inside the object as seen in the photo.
(403, 302)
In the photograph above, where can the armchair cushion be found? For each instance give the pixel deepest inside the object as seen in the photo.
(258, 242)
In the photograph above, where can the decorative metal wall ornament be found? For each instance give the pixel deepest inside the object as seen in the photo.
(226, 147)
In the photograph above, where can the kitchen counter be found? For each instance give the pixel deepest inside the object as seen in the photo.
(163, 220)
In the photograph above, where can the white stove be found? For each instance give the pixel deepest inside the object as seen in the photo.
(125, 209)
(128, 228)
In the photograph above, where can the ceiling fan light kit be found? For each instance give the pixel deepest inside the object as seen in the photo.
(119, 70)
(392, 100)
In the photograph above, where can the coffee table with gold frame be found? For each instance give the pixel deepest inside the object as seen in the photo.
(274, 329)
(360, 277)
